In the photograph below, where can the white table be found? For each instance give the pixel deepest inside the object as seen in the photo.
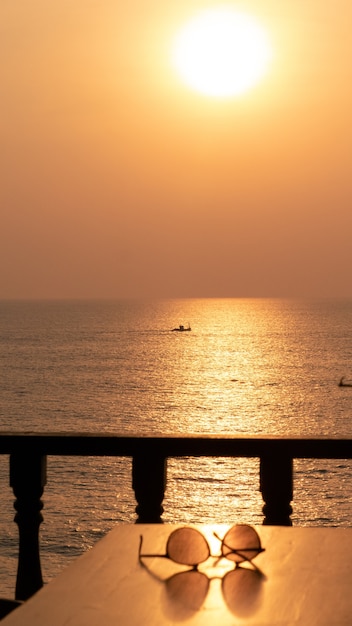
(306, 580)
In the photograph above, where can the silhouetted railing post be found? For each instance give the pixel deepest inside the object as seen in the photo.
(27, 479)
(149, 484)
(276, 486)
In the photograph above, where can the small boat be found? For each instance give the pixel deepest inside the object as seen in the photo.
(181, 328)
(342, 383)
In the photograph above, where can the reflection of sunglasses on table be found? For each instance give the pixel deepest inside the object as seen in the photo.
(187, 546)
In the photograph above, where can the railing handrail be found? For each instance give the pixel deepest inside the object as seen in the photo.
(174, 445)
(28, 452)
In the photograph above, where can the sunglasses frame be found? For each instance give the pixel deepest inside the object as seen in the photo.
(239, 552)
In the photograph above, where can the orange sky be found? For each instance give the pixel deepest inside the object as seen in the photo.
(118, 181)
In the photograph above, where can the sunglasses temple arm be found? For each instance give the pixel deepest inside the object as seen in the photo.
(258, 549)
(140, 555)
(239, 551)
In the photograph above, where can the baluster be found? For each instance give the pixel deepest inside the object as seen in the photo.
(276, 486)
(149, 484)
(27, 479)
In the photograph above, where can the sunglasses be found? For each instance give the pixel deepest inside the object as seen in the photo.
(241, 586)
(187, 546)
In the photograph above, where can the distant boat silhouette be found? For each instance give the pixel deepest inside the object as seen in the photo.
(343, 384)
(181, 328)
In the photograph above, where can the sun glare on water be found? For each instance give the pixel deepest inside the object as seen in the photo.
(221, 52)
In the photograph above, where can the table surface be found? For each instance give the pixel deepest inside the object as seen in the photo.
(304, 576)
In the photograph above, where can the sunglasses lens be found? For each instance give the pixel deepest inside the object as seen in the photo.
(187, 546)
(241, 543)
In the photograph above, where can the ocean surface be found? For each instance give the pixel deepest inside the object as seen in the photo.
(248, 366)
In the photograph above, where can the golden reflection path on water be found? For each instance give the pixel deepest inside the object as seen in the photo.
(251, 367)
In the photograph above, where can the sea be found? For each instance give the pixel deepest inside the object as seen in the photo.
(248, 366)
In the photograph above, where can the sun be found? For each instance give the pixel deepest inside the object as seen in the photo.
(221, 53)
